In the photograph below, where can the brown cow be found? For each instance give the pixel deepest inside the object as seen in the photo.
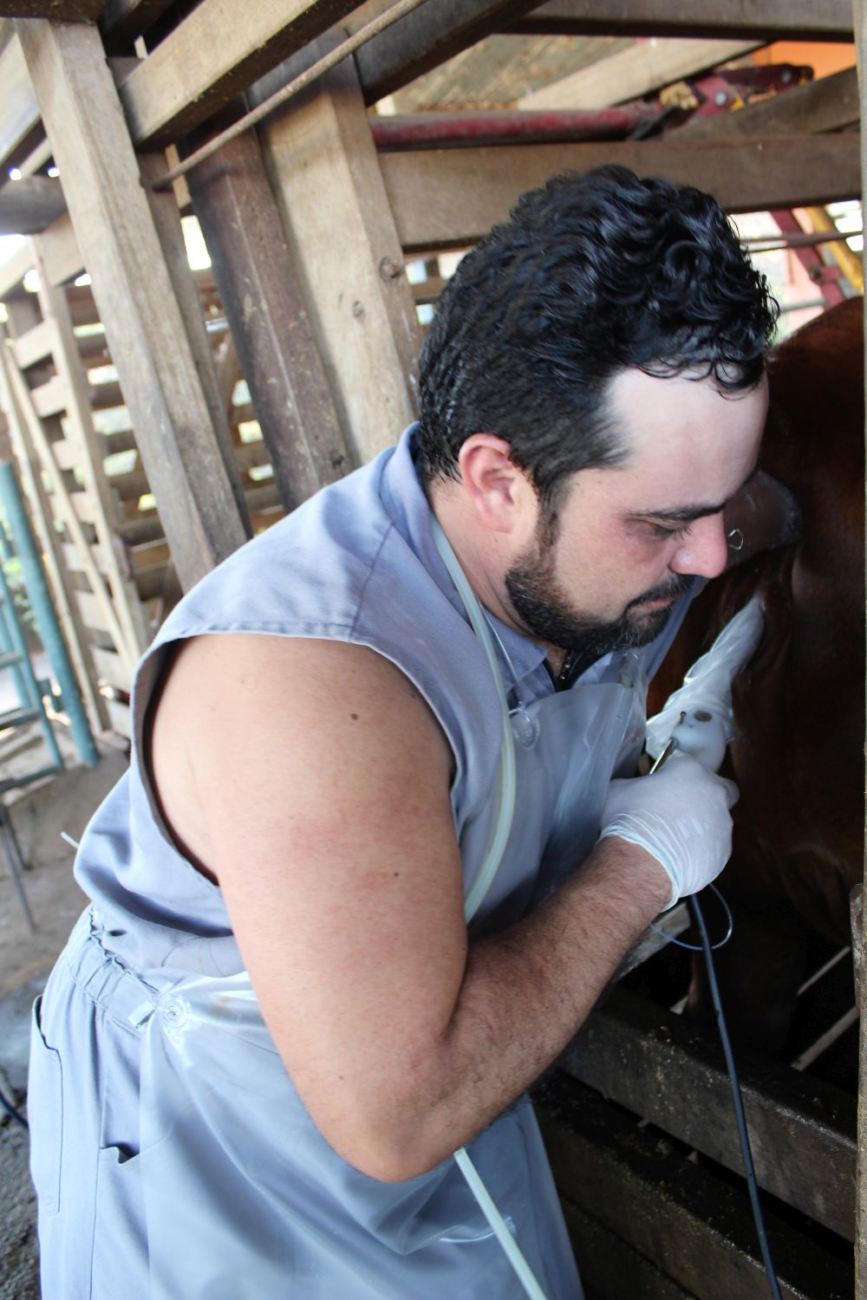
(799, 706)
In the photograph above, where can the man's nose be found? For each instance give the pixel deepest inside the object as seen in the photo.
(703, 551)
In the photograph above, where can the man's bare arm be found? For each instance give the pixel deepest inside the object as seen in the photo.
(312, 780)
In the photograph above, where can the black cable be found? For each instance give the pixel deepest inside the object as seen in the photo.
(737, 1099)
(10, 1110)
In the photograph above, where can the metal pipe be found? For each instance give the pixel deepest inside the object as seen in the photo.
(43, 612)
(443, 130)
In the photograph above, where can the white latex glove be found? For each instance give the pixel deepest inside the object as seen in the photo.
(680, 815)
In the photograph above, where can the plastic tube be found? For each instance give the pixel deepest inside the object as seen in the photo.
(505, 796)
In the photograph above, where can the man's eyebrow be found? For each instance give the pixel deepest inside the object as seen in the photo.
(686, 514)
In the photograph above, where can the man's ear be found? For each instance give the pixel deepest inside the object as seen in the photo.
(499, 492)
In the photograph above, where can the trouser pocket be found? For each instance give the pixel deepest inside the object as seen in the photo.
(45, 1115)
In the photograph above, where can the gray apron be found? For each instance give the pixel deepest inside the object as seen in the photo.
(186, 1166)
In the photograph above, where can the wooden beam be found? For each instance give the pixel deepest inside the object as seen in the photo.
(693, 1225)
(58, 11)
(860, 16)
(611, 1267)
(348, 255)
(772, 20)
(194, 71)
(20, 109)
(802, 1131)
(30, 205)
(134, 291)
(123, 20)
(641, 69)
(426, 38)
(29, 467)
(449, 198)
(264, 305)
(829, 104)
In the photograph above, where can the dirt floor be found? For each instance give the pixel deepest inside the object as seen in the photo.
(39, 815)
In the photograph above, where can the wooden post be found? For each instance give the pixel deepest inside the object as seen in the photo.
(342, 235)
(860, 22)
(264, 305)
(135, 294)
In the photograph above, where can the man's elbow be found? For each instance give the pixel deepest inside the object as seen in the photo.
(391, 1148)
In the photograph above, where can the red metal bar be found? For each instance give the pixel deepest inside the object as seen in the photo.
(824, 277)
(451, 130)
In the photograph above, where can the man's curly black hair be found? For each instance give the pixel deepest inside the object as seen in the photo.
(593, 273)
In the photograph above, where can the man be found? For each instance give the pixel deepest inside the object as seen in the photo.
(399, 710)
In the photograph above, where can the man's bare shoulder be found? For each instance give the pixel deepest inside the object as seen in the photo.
(249, 720)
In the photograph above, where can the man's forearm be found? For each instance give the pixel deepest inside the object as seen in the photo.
(524, 994)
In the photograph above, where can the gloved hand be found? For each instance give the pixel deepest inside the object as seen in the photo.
(680, 815)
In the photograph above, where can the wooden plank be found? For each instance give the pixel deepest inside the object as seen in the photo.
(449, 198)
(65, 507)
(156, 362)
(33, 346)
(426, 38)
(93, 612)
(119, 717)
(693, 1225)
(860, 12)
(348, 255)
(50, 398)
(31, 475)
(829, 104)
(80, 423)
(801, 1130)
(122, 21)
(59, 11)
(772, 20)
(190, 75)
(73, 560)
(264, 304)
(189, 298)
(20, 109)
(13, 271)
(111, 669)
(61, 255)
(611, 1268)
(29, 205)
(645, 67)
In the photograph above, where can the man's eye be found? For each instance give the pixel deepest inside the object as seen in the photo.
(668, 530)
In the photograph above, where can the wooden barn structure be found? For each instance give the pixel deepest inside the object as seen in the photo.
(337, 154)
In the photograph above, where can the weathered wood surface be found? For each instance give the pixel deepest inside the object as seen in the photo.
(829, 104)
(122, 21)
(451, 197)
(29, 206)
(80, 431)
(214, 54)
(29, 467)
(426, 38)
(610, 1269)
(20, 110)
(167, 224)
(637, 71)
(801, 20)
(694, 1226)
(802, 1131)
(265, 308)
(348, 255)
(151, 348)
(58, 11)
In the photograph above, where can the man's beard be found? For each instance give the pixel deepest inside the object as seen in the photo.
(541, 606)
